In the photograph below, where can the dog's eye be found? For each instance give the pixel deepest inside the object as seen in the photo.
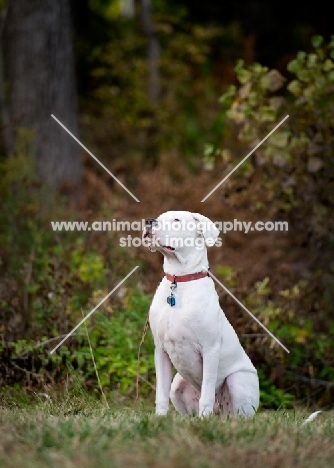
(177, 220)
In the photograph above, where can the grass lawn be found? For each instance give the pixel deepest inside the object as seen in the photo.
(81, 433)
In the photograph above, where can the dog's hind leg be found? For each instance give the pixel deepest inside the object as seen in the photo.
(240, 394)
(184, 396)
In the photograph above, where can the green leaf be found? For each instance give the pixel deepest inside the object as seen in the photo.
(293, 66)
(317, 41)
(280, 138)
(224, 270)
(244, 76)
(265, 82)
(303, 75)
(328, 65)
(301, 55)
(239, 66)
(253, 98)
(312, 60)
(208, 149)
(295, 88)
(226, 98)
(33, 288)
(258, 69)
(309, 93)
(236, 115)
(267, 114)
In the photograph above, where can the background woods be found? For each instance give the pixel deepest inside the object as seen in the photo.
(38, 75)
(170, 96)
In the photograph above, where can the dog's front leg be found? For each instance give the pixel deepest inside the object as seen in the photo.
(208, 388)
(163, 369)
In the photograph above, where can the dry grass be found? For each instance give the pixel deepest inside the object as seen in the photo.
(85, 434)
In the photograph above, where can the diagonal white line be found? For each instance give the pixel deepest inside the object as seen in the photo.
(241, 162)
(248, 312)
(94, 362)
(92, 311)
(94, 157)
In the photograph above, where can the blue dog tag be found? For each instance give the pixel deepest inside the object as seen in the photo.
(171, 301)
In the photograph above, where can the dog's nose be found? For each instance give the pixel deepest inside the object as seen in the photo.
(149, 223)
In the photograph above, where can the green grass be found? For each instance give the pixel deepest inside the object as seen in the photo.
(79, 432)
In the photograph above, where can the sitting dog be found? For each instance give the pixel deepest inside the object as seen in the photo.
(190, 330)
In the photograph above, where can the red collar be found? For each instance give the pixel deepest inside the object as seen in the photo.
(184, 278)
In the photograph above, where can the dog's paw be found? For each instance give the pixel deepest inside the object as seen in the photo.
(205, 412)
(161, 410)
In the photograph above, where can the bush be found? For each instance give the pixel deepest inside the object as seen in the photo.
(115, 341)
(47, 277)
(295, 164)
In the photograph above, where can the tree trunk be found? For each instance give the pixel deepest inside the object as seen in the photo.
(6, 130)
(153, 82)
(153, 54)
(40, 81)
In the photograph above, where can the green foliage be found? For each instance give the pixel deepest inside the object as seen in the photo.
(295, 163)
(120, 70)
(108, 9)
(89, 266)
(115, 341)
(302, 373)
(271, 396)
(19, 168)
(47, 276)
(227, 273)
(61, 273)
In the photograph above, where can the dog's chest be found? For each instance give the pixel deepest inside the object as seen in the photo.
(174, 327)
(180, 328)
(177, 337)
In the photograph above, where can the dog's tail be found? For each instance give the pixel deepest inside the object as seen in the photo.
(311, 417)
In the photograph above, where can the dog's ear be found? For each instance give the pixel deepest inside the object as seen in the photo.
(206, 228)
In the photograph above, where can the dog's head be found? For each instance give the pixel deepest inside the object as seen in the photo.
(180, 234)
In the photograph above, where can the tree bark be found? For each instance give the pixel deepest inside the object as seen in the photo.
(153, 82)
(40, 81)
(6, 130)
(153, 54)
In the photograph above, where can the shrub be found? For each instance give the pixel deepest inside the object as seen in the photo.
(295, 164)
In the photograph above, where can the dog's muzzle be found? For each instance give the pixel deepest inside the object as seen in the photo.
(148, 233)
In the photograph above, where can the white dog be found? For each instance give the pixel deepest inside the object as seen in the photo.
(190, 330)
